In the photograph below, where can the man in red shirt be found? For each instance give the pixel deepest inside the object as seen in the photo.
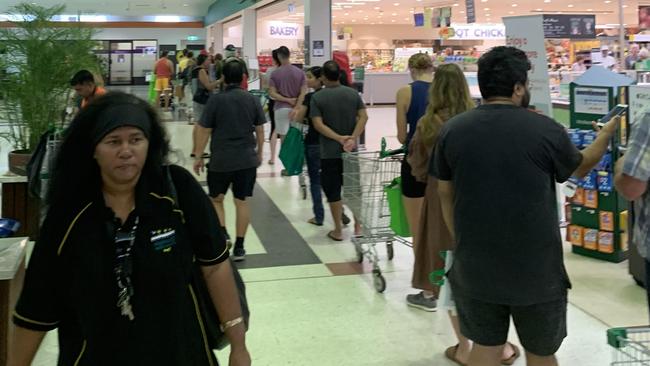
(164, 70)
(83, 83)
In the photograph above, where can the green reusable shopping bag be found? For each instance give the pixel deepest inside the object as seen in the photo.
(152, 91)
(398, 221)
(292, 152)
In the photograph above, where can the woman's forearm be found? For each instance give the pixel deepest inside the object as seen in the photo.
(24, 346)
(225, 297)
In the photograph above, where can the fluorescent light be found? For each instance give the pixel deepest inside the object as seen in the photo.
(167, 19)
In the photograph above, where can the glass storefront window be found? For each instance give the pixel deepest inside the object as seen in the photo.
(233, 33)
(281, 24)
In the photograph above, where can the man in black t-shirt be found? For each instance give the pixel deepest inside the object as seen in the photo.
(497, 167)
(234, 121)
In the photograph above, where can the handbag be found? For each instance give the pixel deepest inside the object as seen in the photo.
(201, 96)
(217, 340)
(292, 152)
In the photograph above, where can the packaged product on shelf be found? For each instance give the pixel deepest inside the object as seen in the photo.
(576, 137)
(591, 198)
(624, 242)
(575, 235)
(623, 220)
(605, 181)
(590, 239)
(605, 163)
(590, 181)
(606, 221)
(588, 138)
(605, 242)
(579, 197)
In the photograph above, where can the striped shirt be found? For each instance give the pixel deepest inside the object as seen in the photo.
(637, 165)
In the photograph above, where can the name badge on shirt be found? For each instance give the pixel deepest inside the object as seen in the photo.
(163, 240)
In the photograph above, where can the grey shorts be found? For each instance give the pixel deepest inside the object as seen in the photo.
(282, 121)
(541, 327)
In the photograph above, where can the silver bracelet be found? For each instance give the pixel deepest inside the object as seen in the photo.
(231, 323)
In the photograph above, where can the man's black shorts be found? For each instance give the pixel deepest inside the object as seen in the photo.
(242, 182)
(541, 327)
(411, 188)
(331, 176)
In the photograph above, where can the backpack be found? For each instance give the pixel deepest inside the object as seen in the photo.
(216, 338)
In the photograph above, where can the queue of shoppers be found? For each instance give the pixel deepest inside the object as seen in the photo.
(145, 219)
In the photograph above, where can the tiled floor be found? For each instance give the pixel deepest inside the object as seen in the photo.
(304, 314)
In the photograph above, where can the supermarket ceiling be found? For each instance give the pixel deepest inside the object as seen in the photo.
(359, 11)
(128, 8)
(487, 11)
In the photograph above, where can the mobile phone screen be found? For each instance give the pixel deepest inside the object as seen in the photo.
(616, 111)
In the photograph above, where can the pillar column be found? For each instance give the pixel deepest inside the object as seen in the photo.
(249, 34)
(318, 31)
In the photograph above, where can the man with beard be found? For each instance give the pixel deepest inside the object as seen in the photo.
(497, 167)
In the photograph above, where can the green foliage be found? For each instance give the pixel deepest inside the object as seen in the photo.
(38, 58)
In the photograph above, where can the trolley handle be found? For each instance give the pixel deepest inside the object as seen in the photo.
(386, 153)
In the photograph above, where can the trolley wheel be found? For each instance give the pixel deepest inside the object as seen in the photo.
(379, 282)
(390, 250)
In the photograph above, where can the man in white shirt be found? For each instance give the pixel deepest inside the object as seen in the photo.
(607, 61)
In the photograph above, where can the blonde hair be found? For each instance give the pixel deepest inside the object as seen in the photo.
(448, 96)
(420, 62)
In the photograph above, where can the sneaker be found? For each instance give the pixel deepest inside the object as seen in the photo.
(345, 219)
(238, 254)
(421, 302)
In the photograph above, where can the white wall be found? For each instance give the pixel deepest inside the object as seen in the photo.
(163, 35)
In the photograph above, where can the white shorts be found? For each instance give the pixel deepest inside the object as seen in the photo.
(282, 121)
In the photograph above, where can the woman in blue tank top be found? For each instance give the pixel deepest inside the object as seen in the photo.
(412, 103)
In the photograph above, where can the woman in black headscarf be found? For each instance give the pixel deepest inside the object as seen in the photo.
(114, 268)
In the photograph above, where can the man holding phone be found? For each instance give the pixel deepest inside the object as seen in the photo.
(497, 167)
(339, 114)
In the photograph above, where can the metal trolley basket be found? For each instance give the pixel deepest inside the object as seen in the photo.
(365, 177)
(631, 346)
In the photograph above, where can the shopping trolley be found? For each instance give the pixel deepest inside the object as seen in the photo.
(631, 345)
(366, 175)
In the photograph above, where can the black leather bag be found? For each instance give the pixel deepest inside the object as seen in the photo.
(201, 96)
(216, 338)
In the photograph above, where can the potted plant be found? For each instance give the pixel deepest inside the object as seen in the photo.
(37, 59)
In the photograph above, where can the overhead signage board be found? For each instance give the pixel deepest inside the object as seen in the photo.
(573, 26)
(283, 30)
(470, 11)
(478, 31)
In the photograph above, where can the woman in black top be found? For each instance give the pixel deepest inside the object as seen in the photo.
(112, 270)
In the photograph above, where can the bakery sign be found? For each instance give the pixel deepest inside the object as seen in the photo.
(283, 30)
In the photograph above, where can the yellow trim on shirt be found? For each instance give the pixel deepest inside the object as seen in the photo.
(65, 237)
(208, 351)
(214, 259)
(163, 197)
(33, 321)
(83, 350)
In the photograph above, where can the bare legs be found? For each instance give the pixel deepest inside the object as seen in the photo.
(337, 214)
(242, 214)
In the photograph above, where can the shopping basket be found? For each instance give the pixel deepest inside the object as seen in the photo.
(631, 346)
(367, 179)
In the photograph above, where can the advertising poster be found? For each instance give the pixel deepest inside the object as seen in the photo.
(589, 100)
(639, 102)
(470, 10)
(572, 26)
(644, 17)
(527, 34)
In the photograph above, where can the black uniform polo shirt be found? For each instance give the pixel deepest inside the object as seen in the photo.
(70, 283)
